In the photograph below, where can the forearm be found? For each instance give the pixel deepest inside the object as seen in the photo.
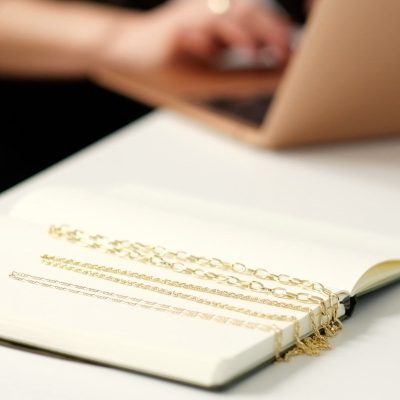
(42, 38)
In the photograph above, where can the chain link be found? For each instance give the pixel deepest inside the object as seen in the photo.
(185, 263)
(60, 261)
(311, 346)
(174, 260)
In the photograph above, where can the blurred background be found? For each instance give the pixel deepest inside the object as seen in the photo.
(49, 113)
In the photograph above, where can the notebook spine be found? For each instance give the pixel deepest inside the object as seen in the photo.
(349, 303)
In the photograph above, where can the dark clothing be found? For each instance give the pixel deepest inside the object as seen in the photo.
(44, 122)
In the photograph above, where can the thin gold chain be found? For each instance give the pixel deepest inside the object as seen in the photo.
(91, 270)
(159, 256)
(52, 260)
(65, 263)
(136, 302)
(311, 346)
(180, 295)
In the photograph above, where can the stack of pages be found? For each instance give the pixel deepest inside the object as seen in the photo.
(176, 287)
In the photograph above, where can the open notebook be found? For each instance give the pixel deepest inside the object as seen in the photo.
(89, 288)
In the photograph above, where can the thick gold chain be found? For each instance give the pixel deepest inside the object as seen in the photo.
(136, 302)
(161, 257)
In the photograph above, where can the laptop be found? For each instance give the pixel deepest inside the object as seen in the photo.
(342, 83)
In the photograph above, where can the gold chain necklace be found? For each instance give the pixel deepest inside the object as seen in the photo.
(312, 345)
(136, 302)
(60, 261)
(144, 252)
(65, 263)
(91, 270)
(159, 256)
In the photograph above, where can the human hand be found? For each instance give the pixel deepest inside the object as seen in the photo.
(183, 29)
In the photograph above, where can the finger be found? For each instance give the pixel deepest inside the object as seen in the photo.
(273, 31)
(232, 34)
(271, 28)
(266, 28)
(198, 44)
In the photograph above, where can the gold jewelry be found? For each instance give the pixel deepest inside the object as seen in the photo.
(161, 257)
(135, 302)
(311, 346)
(90, 270)
(65, 262)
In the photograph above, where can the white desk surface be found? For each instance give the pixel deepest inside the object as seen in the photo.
(356, 184)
